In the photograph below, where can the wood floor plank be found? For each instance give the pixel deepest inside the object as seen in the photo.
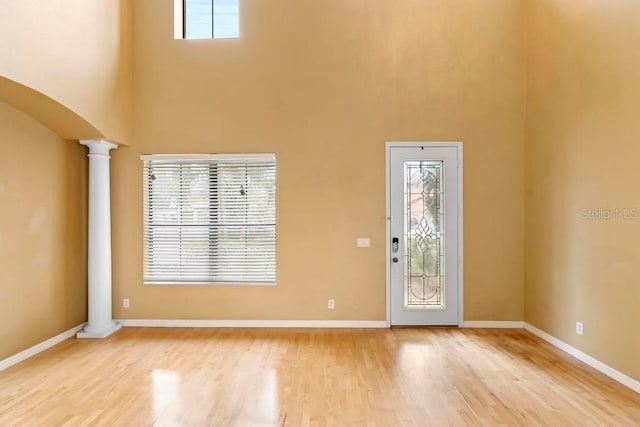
(311, 377)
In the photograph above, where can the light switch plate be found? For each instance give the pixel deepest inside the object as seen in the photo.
(363, 242)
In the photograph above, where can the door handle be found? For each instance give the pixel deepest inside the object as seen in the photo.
(395, 245)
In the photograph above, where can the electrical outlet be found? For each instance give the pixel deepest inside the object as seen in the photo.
(125, 303)
(331, 305)
(579, 328)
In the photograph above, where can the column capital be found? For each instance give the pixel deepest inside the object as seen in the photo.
(98, 146)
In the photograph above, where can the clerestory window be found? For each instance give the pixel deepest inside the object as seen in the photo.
(206, 19)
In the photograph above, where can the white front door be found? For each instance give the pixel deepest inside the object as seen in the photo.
(424, 196)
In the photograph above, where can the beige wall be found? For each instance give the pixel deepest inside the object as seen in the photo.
(77, 52)
(583, 150)
(43, 184)
(324, 85)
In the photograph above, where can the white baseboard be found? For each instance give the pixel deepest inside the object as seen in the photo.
(493, 324)
(177, 323)
(584, 357)
(38, 348)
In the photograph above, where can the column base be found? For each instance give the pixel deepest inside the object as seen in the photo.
(100, 334)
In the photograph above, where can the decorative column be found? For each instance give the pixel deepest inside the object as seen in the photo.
(101, 323)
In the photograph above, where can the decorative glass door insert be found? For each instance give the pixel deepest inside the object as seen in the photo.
(423, 234)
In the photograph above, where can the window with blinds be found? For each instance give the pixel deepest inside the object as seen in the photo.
(209, 219)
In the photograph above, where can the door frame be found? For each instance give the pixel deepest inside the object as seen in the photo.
(415, 144)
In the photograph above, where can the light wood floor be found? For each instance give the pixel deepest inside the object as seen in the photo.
(299, 377)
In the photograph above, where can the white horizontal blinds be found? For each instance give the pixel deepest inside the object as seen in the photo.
(210, 219)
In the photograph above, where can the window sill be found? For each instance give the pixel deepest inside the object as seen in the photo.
(158, 283)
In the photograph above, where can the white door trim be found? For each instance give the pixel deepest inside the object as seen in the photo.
(413, 144)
